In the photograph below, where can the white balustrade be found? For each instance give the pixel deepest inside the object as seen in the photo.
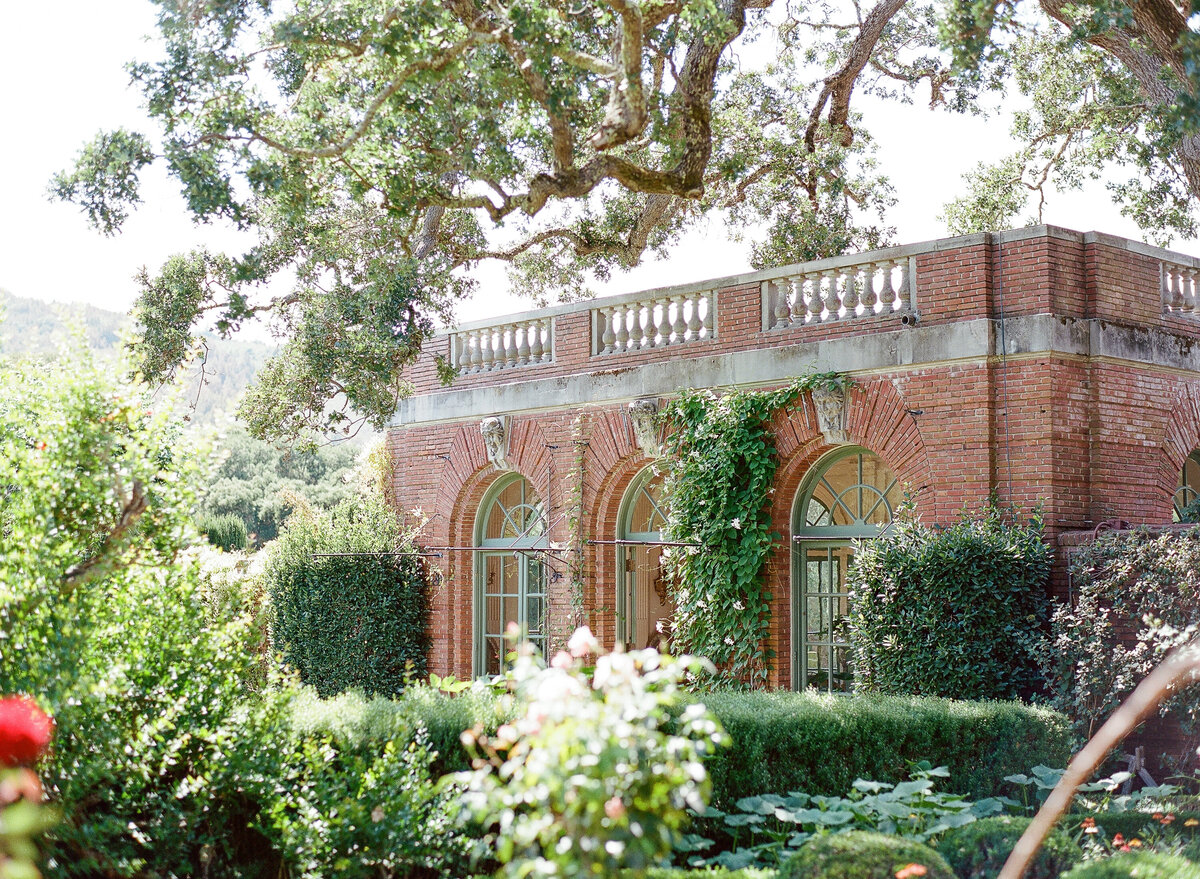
(825, 294)
(655, 322)
(1179, 289)
(503, 346)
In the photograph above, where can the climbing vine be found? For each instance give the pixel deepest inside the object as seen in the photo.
(721, 461)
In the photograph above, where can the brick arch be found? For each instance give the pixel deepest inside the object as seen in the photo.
(877, 422)
(613, 461)
(1180, 438)
(464, 479)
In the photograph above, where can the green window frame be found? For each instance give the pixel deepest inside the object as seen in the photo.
(847, 496)
(1188, 491)
(642, 518)
(510, 576)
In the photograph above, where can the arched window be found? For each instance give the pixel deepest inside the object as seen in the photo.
(643, 607)
(1188, 493)
(848, 495)
(510, 576)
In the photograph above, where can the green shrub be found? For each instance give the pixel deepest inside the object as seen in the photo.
(705, 873)
(1136, 865)
(1137, 595)
(226, 532)
(949, 611)
(979, 850)
(355, 620)
(819, 743)
(863, 855)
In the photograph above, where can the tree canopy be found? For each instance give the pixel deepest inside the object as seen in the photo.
(382, 150)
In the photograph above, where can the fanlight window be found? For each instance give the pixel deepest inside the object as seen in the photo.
(510, 576)
(644, 609)
(850, 495)
(1188, 494)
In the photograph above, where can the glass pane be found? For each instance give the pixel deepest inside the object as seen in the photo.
(649, 608)
(857, 490)
(648, 513)
(514, 512)
(493, 655)
(824, 606)
(1189, 488)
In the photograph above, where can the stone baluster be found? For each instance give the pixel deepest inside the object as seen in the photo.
(678, 322)
(508, 338)
(693, 323)
(1167, 289)
(664, 322)
(1187, 287)
(906, 285)
(653, 321)
(829, 295)
(781, 308)
(795, 300)
(864, 302)
(523, 345)
(885, 300)
(608, 338)
(486, 353)
(709, 325)
(533, 330)
(622, 343)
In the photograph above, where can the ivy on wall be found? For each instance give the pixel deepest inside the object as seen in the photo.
(721, 463)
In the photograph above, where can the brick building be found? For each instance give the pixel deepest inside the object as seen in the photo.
(1042, 365)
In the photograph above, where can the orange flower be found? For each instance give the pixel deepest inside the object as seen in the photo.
(1191, 822)
(907, 872)
(1118, 839)
(1156, 816)
(1166, 819)
(1089, 825)
(1135, 843)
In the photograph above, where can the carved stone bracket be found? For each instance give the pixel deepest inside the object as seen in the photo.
(642, 413)
(833, 409)
(495, 441)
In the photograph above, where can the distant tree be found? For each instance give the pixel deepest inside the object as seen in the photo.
(252, 481)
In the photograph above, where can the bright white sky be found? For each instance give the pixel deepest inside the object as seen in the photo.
(63, 70)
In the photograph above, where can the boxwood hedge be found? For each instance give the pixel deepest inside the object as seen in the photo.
(820, 744)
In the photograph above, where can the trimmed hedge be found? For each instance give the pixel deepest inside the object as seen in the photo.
(357, 621)
(820, 744)
(950, 611)
(705, 873)
(979, 850)
(863, 855)
(1142, 865)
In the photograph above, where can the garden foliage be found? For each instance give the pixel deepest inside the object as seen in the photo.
(951, 612)
(979, 850)
(1136, 596)
(353, 621)
(821, 743)
(864, 855)
(164, 763)
(225, 531)
(721, 470)
(1136, 865)
(777, 825)
(597, 770)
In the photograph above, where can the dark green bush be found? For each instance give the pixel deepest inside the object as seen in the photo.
(979, 850)
(227, 531)
(356, 621)
(706, 873)
(862, 855)
(820, 744)
(950, 611)
(1136, 865)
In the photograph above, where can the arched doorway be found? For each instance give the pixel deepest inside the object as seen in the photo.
(643, 606)
(848, 495)
(1185, 503)
(510, 574)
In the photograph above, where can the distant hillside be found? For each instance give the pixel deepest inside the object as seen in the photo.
(29, 327)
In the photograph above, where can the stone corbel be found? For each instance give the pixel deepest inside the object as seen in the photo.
(642, 413)
(833, 410)
(495, 441)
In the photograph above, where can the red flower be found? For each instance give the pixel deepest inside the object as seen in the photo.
(25, 731)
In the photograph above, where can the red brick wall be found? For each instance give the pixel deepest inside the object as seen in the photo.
(1086, 438)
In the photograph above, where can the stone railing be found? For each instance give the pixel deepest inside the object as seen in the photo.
(503, 346)
(840, 289)
(656, 322)
(1179, 289)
